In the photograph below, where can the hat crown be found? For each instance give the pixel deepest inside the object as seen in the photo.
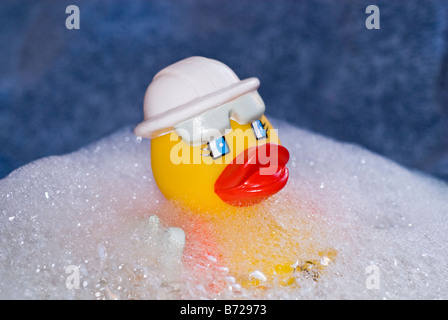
(186, 81)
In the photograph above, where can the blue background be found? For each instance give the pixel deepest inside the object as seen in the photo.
(319, 67)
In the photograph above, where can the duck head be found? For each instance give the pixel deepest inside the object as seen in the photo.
(212, 147)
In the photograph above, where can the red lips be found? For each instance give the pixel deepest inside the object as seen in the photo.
(254, 175)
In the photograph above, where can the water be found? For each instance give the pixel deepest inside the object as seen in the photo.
(87, 216)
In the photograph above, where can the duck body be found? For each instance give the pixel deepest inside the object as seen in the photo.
(216, 155)
(256, 238)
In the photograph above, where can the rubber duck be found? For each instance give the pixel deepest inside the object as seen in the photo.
(215, 153)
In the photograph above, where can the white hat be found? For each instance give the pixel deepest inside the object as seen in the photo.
(186, 89)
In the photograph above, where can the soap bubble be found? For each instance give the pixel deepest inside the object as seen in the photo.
(99, 211)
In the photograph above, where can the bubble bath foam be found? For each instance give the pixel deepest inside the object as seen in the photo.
(92, 224)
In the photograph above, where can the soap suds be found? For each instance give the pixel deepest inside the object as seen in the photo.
(91, 210)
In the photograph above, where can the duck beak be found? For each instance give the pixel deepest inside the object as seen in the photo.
(253, 175)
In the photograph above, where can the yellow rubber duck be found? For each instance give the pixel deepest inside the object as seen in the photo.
(214, 152)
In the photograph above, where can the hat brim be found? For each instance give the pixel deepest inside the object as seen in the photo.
(164, 123)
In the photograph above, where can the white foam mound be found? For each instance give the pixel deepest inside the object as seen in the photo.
(86, 216)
